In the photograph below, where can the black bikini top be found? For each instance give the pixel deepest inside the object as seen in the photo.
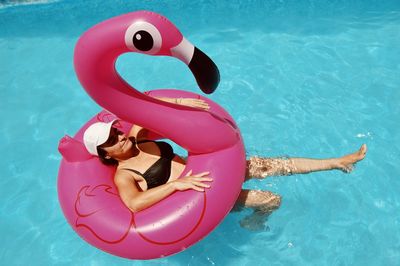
(158, 174)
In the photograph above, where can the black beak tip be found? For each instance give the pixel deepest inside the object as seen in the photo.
(205, 71)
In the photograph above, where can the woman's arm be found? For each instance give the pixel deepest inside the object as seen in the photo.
(137, 200)
(138, 132)
(190, 102)
(141, 133)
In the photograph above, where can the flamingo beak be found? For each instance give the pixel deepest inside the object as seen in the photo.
(203, 68)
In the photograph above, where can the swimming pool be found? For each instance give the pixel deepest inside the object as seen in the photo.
(302, 78)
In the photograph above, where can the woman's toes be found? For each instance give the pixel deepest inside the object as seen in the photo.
(363, 151)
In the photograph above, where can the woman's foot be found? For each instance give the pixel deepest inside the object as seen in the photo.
(256, 221)
(262, 203)
(347, 162)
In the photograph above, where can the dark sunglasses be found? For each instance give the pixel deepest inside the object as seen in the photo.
(112, 138)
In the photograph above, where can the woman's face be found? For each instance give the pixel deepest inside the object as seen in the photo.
(118, 146)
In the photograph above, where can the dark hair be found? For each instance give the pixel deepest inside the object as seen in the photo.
(102, 156)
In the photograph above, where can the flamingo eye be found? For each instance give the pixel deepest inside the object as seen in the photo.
(143, 40)
(143, 37)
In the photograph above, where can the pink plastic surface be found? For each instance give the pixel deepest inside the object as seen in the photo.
(87, 194)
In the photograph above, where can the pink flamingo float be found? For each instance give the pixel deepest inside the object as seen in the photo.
(87, 194)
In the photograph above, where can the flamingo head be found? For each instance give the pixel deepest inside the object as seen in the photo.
(147, 33)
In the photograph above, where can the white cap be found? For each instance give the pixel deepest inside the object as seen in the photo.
(95, 135)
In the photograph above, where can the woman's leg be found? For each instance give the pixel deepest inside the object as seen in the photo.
(262, 203)
(265, 201)
(262, 167)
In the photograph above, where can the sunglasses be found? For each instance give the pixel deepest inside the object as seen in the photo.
(112, 138)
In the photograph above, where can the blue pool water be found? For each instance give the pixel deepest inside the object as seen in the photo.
(302, 78)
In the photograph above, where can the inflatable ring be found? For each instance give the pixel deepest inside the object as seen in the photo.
(87, 194)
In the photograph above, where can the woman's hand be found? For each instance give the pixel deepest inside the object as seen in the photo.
(195, 182)
(193, 102)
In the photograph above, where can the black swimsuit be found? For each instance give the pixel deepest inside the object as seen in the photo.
(158, 174)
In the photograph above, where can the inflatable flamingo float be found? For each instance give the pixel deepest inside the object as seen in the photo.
(87, 194)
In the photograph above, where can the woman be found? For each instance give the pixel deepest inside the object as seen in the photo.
(148, 171)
